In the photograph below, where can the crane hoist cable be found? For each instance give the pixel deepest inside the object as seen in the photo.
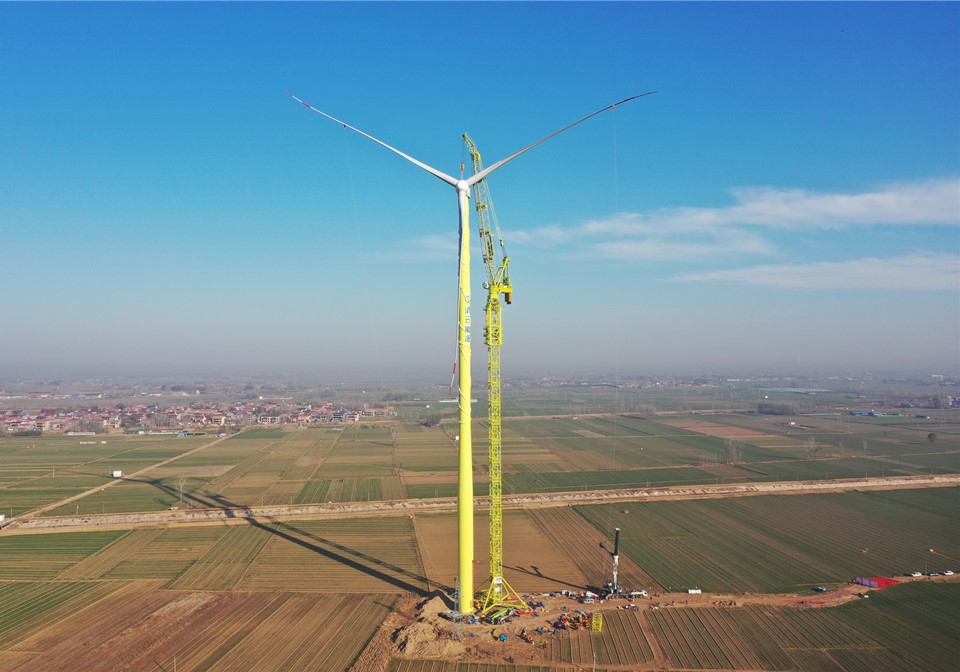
(497, 264)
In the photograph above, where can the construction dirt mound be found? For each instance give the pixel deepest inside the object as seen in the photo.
(430, 636)
(432, 608)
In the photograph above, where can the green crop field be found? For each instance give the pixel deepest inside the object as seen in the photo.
(786, 543)
(43, 556)
(857, 467)
(225, 563)
(600, 480)
(911, 627)
(260, 433)
(42, 470)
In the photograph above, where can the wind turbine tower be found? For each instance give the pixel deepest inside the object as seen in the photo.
(499, 593)
(465, 461)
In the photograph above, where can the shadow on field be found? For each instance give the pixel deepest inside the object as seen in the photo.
(356, 560)
(338, 552)
(208, 502)
(536, 572)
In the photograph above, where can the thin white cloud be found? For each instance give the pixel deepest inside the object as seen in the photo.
(924, 203)
(930, 202)
(919, 271)
(736, 231)
(682, 232)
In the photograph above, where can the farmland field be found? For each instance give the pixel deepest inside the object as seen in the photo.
(910, 627)
(604, 480)
(281, 591)
(29, 605)
(377, 462)
(165, 555)
(360, 556)
(137, 626)
(46, 469)
(579, 541)
(532, 560)
(785, 543)
(264, 592)
(43, 556)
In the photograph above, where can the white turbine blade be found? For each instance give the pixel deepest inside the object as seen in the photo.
(433, 171)
(489, 169)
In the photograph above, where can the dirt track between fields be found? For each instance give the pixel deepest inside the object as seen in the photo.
(362, 509)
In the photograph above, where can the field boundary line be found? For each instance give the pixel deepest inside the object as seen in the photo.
(520, 501)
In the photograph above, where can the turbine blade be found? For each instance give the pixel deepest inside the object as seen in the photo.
(433, 171)
(489, 169)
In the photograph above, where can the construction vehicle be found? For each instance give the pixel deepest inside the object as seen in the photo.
(612, 588)
(578, 620)
(499, 593)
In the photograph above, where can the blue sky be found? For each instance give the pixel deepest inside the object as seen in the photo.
(787, 202)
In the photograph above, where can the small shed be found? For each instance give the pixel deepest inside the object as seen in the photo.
(117, 473)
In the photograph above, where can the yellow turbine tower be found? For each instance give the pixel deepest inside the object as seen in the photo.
(465, 461)
(499, 593)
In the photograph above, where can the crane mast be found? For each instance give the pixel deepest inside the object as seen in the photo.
(499, 592)
(612, 588)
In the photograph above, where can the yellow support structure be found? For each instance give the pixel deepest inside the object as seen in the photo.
(596, 622)
(499, 593)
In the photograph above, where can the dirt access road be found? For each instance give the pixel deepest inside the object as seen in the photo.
(33, 522)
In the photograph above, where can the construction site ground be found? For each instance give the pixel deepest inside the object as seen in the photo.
(417, 630)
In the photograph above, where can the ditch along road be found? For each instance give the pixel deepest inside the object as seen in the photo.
(33, 521)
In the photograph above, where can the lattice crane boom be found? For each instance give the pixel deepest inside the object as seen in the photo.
(497, 265)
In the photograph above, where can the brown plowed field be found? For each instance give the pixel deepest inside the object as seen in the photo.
(140, 627)
(580, 542)
(523, 539)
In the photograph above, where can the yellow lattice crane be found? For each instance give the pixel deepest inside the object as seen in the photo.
(499, 593)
